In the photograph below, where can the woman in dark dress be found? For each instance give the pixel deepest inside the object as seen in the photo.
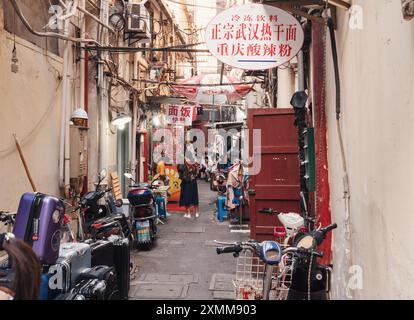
(189, 188)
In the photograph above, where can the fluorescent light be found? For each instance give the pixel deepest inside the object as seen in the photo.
(156, 121)
(340, 3)
(121, 120)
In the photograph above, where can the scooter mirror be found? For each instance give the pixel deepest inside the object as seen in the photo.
(128, 176)
(102, 174)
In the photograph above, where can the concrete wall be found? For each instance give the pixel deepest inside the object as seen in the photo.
(377, 77)
(30, 107)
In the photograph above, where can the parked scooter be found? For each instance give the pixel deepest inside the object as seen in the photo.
(143, 214)
(8, 219)
(310, 279)
(270, 252)
(102, 221)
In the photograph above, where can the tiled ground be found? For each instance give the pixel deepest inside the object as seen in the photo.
(184, 263)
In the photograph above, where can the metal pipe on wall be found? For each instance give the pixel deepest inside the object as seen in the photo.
(134, 138)
(64, 119)
(68, 108)
(134, 123)
(301, 72)
(103, 93)
(82, 57)
(48, 34)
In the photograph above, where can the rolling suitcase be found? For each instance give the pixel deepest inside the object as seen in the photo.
(102, 253)
(74, 258)
(70, 296)
(39, 221)
(91, 289)
(107, 274)
(122, 264)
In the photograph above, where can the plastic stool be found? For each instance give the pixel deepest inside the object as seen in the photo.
(222, 210)
(161, 206)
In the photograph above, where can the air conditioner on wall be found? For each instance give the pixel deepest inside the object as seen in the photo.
(138, 20)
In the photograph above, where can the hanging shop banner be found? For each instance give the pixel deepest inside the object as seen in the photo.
(254, 37)
(181, 115)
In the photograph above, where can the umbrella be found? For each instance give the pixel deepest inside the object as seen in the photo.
(211, 93)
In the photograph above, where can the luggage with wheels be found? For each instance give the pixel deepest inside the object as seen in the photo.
(70, 296)
(74, 258)
(107, 274)
(39, 221)
(102, 253)
(91, 289)
(122, 264)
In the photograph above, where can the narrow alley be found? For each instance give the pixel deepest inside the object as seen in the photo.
(222, 150)
(184, 263)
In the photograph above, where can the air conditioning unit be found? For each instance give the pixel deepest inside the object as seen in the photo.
(138, 19)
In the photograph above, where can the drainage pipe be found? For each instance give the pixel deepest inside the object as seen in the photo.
(48, 34)
(64, 112)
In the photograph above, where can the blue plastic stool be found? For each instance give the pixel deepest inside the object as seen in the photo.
(222, 210)
(161, 207)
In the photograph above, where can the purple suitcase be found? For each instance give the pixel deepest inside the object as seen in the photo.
(39, 222)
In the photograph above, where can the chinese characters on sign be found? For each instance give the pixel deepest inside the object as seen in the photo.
(254, 37)
(179, 115)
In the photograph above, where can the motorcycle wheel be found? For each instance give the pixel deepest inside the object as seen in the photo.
(145, 246)
(148, 245)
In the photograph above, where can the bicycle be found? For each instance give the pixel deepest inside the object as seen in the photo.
(248, 282)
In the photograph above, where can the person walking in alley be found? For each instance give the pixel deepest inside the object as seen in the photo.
(189, 189)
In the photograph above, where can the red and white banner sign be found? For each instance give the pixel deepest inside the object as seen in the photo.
(254, 37)
(182, 115)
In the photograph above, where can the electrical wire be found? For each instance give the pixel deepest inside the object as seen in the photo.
(196, 5)
(175, 48)
(47, 34)
(5, 152)
(201, 84)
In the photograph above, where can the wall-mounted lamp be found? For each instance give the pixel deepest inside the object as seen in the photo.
(340, 3)
(156, 121)
(121, 120)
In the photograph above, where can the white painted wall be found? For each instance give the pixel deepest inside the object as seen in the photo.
(377, 75)
(30, 107)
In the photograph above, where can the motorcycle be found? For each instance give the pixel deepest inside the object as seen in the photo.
(310, 280)
(102, 220)
(8, 219)
(269, 252)
(143, 215)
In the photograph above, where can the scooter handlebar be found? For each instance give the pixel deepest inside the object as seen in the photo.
(268, 211)
(310, 252)
(329, 228)
(232, 249)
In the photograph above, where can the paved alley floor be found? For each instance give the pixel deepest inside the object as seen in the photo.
(183, 264)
